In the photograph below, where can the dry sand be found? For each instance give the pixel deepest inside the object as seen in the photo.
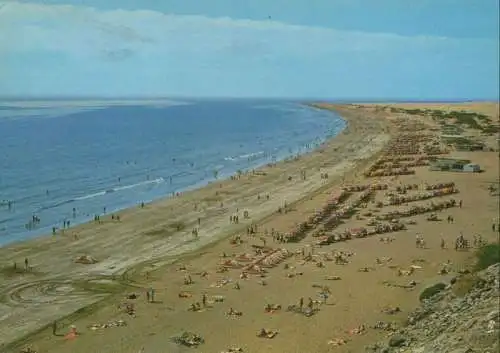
(139, 252)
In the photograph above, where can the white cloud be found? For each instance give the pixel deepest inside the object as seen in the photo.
(167, 53)
(29, 27)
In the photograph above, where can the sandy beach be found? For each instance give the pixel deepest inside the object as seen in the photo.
(165, 243)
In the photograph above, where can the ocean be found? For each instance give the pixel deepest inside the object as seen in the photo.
(68, 160)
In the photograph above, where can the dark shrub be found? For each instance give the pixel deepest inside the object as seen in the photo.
(432, 291)
(487, 255)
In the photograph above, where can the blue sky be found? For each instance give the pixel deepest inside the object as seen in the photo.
(337, 49)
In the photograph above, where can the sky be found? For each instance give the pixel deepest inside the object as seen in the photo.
(330, 49)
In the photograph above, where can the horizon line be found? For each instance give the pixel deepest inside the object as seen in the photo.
(214, 98)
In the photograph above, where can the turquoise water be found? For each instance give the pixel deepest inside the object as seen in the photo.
(70, 161)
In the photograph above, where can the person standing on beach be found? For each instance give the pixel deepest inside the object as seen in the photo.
(54, 328)
(26, 264)
(324, 296)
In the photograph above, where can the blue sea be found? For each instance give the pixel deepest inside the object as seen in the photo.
(67, 160)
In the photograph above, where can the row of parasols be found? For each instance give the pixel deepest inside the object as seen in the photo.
(270, 259)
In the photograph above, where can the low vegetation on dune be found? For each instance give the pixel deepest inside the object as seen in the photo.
(432, 290)
(487, 255)
(471, 120)
(459, 140)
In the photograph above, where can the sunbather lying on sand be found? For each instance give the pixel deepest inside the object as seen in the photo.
(128, 308)
(221, 269)
(117, 323)
(263, 333)
(188, 339)
(365, 269)
(233, 312)
(306, 311)
(332, 278)
(28, 349)
(270, 308)
(358, 330)
(391, 310)
(337, 342)
(195, 307)
(411, 285)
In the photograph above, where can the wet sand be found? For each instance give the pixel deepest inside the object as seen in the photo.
(134, 254)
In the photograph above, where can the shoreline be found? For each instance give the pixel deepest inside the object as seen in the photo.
(117, 249)
(255, 165)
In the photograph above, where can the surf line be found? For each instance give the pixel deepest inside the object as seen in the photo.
(104, 192)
